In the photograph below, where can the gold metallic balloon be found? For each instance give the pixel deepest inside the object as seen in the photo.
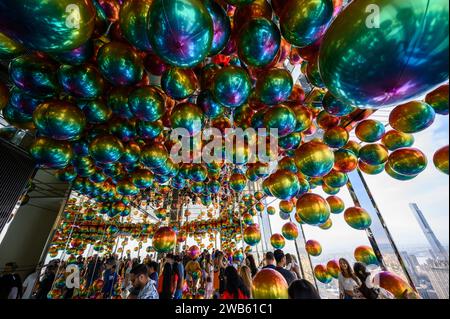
(314, 159)
(313, 209)
(269, 284)
(440, 159)
(412, 117)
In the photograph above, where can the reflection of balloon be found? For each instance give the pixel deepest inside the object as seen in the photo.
(333, 268)
(231, 86)
(408, 161)
(392, 283)
(303, 22)
(269, 284)
(252, 235)
(366, 255)
(369, 131)
(313, 209)
(51, 26)
(59, 120)
(394, 140)
(440, 159)
(337, 205)
(164, 239)
(389, 72)
(289, 231)
(258, 42)
(412, 117)
(438, 99)
(357, 218)
(133, 22)
(106, 149)
(120, 64)
(321, 273)
(50, 153)
(274, 86)
(313, 248)
(181, 31)
(179, 83)
(277, 241)
(314, 159)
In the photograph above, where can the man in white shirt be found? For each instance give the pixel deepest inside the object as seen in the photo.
(29, 283)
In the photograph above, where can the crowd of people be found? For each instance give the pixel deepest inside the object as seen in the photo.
(212, 275)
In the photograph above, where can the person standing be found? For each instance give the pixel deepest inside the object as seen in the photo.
(109, 278)
(269, 261)
(10, 283)
(366, 290)
(167, 282)
(250, 262)
(281, 263)
(30, 283)
(234, 285)
(47, 281)
(179, 270)
(348, 282)
(246, 276)
(142, 283)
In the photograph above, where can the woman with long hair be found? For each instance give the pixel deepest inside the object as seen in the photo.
(348, 281)
(251, 263)
(292, 265)
(167, 282)
(234, 285)
(246, 276)
(366, 290)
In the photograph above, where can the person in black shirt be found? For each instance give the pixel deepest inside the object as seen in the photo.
(9, 281)
(270, 261)
(281, 263)
(47, 282)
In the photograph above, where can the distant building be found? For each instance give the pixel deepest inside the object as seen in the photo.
(438, 273)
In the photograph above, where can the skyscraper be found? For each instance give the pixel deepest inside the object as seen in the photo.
(437, 249)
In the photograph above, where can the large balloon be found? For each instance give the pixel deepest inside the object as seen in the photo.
(393, 283)
(412, 117)
(50, 153)
(438, 99)
(408, 161)
(50, 26)
(313, 209)
(357, 218)
(314, 159)
(180, 31)
(221, 26)
(269, 284)
(258, 42)
(164, 240)
(441, 158)
(304, 21)
(133, 22)
(252, 235)
(59, 120)
(372, 54)
(231, 86)
(106, 149)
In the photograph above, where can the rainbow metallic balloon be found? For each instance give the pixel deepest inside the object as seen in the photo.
(59, 120)
(408, 161)
(290, 142)
(83, 81)
(393, 283)
(271, 210)
(304, 118)
(179, 83)
(286, 206)
(440, 159)
(120, 64)
(438, 99)
(164, 240)
(181, 31)
(96, 111)
(345, 161)
(131, 153)
(333, 268)
(388, 169)
(194, 252)
(221, 26)
(154, 155)
(231, 86)
(327, 225)
(321, 273)
(274, 86)
(314, 159)
(106, 149)
(336, 137)
(313, 209)
(50, 153)
(336, 204)
(379, 76)
(269, 284)
(289, 231)
(335, 107)
(252, 235)
(366, 255)
(238, 182)
(125, 187)
(303, 22)
(394, 140)
(187, 116)
(284, 184)
(313, 248)
(133, 22)
(412, 117)
(147, 103)
(374, 154)
(370, 169)
(335, 179)
(258, 42)
(281, 118)
(210, 107)
(161, 213)
(357, 218)
(51, 26)
(370, 131)
(277, 241)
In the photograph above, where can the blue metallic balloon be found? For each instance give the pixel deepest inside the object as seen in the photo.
(232, 86)
(209, 105)
(221, 26)
(84, 81)
(147, 103)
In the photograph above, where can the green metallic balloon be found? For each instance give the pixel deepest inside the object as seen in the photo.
(59, 120)
(221, 26)
(50, 153)
(147, 103)
(133, 22)
(187, 116)
(120, 64)
(18, 117)
(303, 22)
(258, 42)
(84, 81)
(180, 31)
(232, 86)
(106, 149)
(96, 111)
(373, 65)
(9, 48)
(335, 107)
(282, 118)
(374, 154)
(179, 83)
(274, 86)
(49, 26)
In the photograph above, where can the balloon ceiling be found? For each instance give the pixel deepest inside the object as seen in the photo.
(102, 83)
